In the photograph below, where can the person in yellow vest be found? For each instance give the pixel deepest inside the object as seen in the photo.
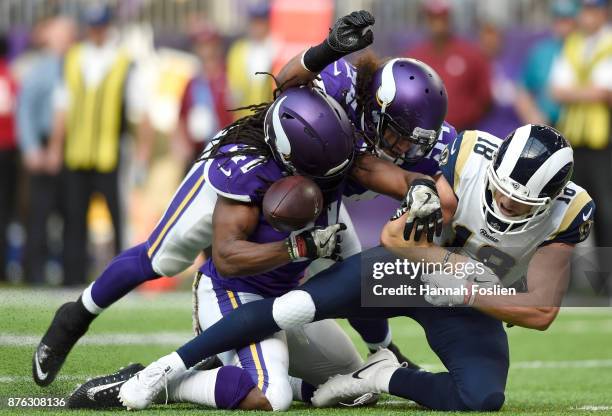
(248, 55)
(90, 106)
(581, 81)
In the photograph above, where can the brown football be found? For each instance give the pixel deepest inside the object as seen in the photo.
(292, 202)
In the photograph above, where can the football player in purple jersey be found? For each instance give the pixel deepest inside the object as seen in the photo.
(398, 104)
(303, 132)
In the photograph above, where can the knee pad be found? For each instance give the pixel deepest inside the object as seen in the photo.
(233, 385)
(280, 395)
(166, 265)
(293, 309)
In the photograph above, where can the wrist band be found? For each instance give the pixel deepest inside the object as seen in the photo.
(471, 297)
(302, 61)
(290, 249)
(316, 58)
(446, 257)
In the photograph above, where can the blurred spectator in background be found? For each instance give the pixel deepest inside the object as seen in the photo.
(204, 104)
(501, 119)
(254, 53)
(534, 103)
(462, 66)
(581, 81)
(89, 123)
(35, 118)
(8, 150)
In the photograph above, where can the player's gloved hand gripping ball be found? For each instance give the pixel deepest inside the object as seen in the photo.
(316, 242)
(422, 204)
(349, 34)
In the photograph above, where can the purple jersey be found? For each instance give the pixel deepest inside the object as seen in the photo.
(246, 178)
(338, 81)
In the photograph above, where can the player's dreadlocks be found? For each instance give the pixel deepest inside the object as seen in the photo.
(247, 131)
(366, 67)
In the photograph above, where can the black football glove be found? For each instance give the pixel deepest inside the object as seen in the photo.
(352, 33)
(424, 211)
(316, 242)
(349, 34)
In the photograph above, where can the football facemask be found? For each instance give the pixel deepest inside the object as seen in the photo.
(499, 223)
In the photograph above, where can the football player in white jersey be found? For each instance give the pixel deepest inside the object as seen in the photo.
(509, 204)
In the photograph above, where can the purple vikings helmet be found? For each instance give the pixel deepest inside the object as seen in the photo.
(411, 101)
(311, 135)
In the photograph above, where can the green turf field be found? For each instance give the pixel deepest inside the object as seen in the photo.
(566, 370)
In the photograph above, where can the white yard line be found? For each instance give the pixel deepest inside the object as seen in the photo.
(52, 298)
(592, 408)
(155, 338)
(25, 379)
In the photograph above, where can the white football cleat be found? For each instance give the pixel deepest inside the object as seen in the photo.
(348, 386)
(141, 390)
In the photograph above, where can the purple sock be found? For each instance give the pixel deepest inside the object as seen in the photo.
(232, 386)
(126, 271)
(307, 392)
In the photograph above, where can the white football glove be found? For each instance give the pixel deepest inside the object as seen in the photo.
(461, 289)
(424, 211)
(462, 292)
(316, 242)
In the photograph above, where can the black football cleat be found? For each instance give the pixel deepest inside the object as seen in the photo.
(102, 392)
(400, 357)
(68, 326)
(209, 363)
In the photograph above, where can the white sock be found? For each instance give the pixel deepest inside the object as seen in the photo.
(383, 344)
(383, 378)
(176, 364)
(88, 302)
(296, 388)
(194, 386)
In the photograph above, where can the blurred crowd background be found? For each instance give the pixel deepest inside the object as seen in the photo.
(104, 105)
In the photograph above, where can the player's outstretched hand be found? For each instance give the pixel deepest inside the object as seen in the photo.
(422, 205)
(317, 242)
(352, 32)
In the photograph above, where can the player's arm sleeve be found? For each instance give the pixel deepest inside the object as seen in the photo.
(240, 178)
(447, 135)
(448, 159)
(577, 222)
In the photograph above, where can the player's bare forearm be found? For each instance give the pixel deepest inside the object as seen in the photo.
(531, 317)
(382, 176)
(294, 74)
(233, 255)
(243, 258)
(547, 280)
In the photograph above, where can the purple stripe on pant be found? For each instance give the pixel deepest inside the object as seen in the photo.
(247, 359)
